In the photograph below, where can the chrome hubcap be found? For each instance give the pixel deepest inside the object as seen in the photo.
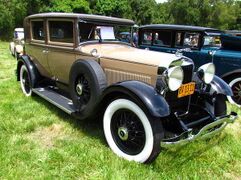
(79, 89)
(123, 133)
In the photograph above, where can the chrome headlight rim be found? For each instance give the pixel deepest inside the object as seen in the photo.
(175, 78)
(206, 72)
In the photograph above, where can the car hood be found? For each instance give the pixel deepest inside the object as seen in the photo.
(127, 53)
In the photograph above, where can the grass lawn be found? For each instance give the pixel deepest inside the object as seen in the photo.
(39, 141)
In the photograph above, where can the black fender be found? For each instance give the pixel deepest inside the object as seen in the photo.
(219, 86)
(33, 71)
(154, 102)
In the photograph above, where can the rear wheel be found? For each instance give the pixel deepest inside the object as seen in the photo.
(235, 85)
(25, 81)
(130, 132)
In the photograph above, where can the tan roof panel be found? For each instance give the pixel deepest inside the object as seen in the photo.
(86, 17)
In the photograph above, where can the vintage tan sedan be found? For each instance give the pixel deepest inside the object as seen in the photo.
(147, 100)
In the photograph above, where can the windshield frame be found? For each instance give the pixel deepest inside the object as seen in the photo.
(94, 25)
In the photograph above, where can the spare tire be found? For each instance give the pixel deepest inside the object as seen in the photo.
(86, 82)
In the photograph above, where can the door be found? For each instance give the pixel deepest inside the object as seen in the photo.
(36, 48)
(61, 52)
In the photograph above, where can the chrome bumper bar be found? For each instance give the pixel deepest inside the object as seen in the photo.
(205, 132)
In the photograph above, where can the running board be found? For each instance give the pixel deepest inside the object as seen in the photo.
(56, 99)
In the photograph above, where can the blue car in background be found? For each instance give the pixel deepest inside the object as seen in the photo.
(202, 45)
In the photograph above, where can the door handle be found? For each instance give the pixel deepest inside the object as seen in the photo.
(45, 51)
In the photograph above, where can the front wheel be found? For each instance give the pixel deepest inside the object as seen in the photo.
(235, 85)
(130, 132)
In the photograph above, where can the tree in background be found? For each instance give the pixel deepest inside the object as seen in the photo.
(66, 6)
(221, 14)
(115, 8)
(11, 16)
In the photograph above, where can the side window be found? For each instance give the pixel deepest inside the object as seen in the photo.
(38, 30)
(191, 40)
(61, 31)
(146, 38)
(178, 39)
(162, 38)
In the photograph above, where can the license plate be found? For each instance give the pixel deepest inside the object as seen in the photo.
(186, 89)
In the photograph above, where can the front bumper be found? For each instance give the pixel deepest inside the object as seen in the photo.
(206, 132)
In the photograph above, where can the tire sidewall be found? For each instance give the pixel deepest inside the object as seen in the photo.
(22, 70)
(115, 105)
(231, 83)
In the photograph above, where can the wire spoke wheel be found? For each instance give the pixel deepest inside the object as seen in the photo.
(82, 89)
(235, 85)
(237, 92)
(128, 132)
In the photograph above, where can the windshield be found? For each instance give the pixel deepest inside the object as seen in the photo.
(212, 40)
(92, 32)
(18, 34)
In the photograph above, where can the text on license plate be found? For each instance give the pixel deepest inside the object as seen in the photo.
(186, 89)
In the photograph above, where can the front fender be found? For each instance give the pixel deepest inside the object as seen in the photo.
(154, 102)
(220, 87)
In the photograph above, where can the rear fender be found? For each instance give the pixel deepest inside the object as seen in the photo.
(34, 74)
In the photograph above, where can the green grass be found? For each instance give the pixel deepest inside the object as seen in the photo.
(39, 141)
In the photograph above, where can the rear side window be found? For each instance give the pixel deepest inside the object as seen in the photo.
(61, 31)
(38, 30)
(146, 38)
(162, 38)
(178, 39)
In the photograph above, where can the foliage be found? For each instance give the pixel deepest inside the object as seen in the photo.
(67, 6)
(221, 14)
(116, 8)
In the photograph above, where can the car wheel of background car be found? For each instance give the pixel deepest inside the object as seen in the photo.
(130, 132)
(87, 81)
(235, 85)
(25, 81)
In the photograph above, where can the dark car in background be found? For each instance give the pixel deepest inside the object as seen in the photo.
(202, 45)
(234, 32)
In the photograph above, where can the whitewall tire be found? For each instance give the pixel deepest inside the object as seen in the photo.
(124, 121)
(25, 81)
(235, 85)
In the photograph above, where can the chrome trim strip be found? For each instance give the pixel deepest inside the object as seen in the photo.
(204, 132)
(52, 102)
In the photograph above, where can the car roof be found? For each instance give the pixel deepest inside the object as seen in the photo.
(178, 27)
(85, 17)
(18, 29)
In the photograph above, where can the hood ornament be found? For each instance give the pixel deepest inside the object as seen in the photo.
(179, 52)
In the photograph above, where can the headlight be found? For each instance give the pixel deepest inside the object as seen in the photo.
(206, 72)
(175, 78)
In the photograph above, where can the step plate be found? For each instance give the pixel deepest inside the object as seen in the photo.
(55, 98)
